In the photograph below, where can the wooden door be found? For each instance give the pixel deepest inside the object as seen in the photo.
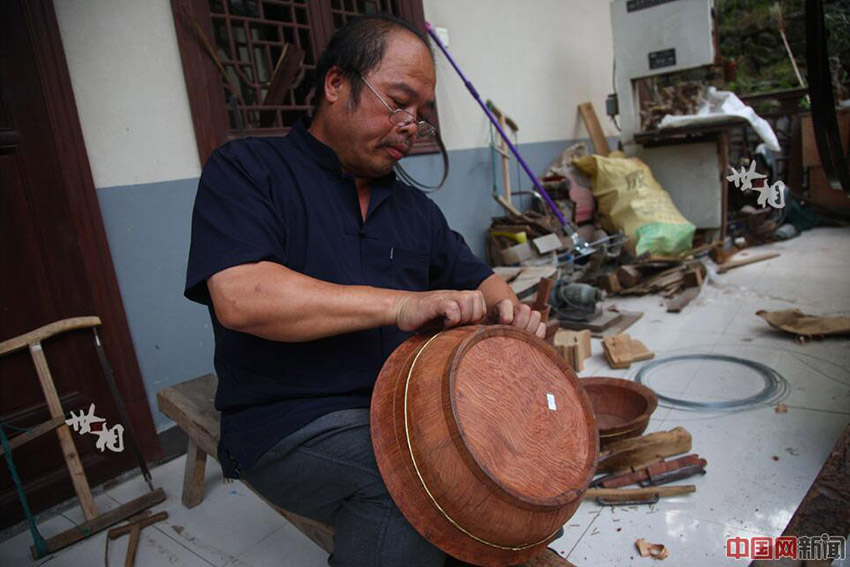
(54, 264)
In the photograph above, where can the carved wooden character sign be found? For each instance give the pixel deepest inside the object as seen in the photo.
(485, 439)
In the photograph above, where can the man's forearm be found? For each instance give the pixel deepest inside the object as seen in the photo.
(276, 303)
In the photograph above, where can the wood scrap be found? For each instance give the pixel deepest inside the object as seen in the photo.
(573, 346)
(629, 276)
(622, 350)
(634, 452)
(798, 323)
(596, 325)
(541, 301)
(548, 243)
(694, 275)
(636, 493)
(732, 264)
(654, 550)
(626, 320)
(608, 283)
(528, 279)
(676, 304)
(663, 281)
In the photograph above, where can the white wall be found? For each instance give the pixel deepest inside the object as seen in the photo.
(536, 59)
(128, 84)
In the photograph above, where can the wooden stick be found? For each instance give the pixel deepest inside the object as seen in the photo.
(115, 533)
(102, 522)
(731, 265)
(506, 162)
(591, 122)
(38, 335)
(34, 433)
(133, 545)
(637, 493)
(69, 450)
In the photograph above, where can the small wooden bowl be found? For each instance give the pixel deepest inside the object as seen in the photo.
(622, 407)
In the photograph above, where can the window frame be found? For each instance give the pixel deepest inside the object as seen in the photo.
(204, 84)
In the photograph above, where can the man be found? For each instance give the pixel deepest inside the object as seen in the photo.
(316, 263)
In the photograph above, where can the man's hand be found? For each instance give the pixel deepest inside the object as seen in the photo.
(520, 316)
(415, 310)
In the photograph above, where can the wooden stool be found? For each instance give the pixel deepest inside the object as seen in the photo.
(191, 406)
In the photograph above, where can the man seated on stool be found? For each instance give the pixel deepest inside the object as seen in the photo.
(316, 262)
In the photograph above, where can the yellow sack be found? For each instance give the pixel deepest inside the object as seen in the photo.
(630, 199)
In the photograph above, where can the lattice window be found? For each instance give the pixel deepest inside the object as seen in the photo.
(343, 10)
(248, 37)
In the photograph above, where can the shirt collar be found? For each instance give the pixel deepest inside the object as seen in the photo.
(326, 157)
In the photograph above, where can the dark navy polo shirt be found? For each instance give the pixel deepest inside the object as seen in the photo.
(286, 200)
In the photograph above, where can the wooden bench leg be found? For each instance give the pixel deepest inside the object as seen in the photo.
(193, 475)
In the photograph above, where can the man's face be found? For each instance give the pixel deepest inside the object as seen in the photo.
(367, 144)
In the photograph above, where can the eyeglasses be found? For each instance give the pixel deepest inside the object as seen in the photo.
(400, 117)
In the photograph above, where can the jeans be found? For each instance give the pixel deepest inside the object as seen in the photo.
(327, 471)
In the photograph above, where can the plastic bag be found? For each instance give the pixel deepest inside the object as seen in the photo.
(630, 199)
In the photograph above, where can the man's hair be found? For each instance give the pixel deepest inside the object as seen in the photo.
(357, 48)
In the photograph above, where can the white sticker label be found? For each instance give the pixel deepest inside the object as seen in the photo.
(551, 399)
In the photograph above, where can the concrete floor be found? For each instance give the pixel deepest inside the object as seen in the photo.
(760, 463)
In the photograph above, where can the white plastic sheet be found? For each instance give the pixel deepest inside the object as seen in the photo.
(720, 105)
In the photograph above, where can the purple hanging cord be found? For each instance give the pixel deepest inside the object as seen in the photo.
(581, 246)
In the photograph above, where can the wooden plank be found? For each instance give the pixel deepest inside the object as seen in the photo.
(66, 442)
(193, 475)
(102, 521)
(591, 122)
(38, 335)
(732, 264)
(622, 350)
(34, 433)
(676, 304)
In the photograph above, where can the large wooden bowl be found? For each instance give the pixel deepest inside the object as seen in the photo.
(622, 407)
(485, 441)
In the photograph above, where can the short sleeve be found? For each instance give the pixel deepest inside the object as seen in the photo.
(235, 219)
(453, 265)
